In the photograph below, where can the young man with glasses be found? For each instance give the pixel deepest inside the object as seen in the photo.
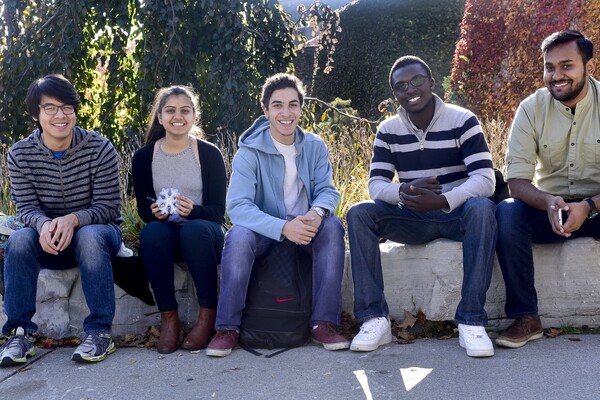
(555, 137)
(65, 185)
(444, 168)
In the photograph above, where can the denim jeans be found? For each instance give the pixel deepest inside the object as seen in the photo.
(92, 248)
(242, 246)
(520, 225)
(197, 242)
(473, 224)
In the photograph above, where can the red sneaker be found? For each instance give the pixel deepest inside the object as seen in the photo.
(326, 334)
(222, 344)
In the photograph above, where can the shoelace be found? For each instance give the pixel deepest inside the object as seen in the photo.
(223, 334)
(369, 326)
(96, 342)
(471, 332)
(18, 341)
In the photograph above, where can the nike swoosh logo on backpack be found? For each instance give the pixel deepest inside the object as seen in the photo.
(280, 300)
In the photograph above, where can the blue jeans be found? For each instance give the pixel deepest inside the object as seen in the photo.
(242, 246)
(92, 248)
(197, 242)
(473, 224)
(520, 225)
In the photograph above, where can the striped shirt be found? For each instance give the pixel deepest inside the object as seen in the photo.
(453, 148)
(85, 181)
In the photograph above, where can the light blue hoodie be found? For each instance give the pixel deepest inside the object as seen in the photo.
(255, 195)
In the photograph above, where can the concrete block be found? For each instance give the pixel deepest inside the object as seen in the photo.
(429, 277)
(426, 277)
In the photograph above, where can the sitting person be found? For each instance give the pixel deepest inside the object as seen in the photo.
(554, 138)
(65, 185)
(281, 187)
(445, 171)
(185, 226)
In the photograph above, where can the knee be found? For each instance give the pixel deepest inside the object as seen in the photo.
(154, 233)
(332, 229)
(201, 231)
(92, 240)
(239, 237)
(355, 214)
(509, 211)
(22, 241)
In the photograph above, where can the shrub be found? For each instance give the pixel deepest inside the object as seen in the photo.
(498, 59)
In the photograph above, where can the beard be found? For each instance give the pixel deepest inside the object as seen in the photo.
(566, 96)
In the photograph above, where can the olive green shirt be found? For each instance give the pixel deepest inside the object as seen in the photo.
(560, 149)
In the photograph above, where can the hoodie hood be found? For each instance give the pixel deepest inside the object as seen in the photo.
(258, 136)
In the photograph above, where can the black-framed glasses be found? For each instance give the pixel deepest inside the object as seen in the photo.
(52, 109)
(417, 81)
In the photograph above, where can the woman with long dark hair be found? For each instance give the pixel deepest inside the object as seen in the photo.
(180, 183)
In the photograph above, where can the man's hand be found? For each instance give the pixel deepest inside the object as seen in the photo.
(576, 215)
(312, 218)
(423, 200)
(431, 183)
(299, 230)
(57, 234)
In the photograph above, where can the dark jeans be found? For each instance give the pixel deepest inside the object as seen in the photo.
(520, 225)
(197, 242)
(242, 246)
(473, 224)
(91, 248)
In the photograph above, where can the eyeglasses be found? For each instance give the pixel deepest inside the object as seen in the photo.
(417, 81)
(52, 109)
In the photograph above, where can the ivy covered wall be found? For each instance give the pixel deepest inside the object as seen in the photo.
(498, 61)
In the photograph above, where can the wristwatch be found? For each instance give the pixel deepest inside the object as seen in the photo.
(593, 210)
(321, 212)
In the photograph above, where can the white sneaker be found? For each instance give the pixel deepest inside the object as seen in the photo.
(476, 340)
(373, 333)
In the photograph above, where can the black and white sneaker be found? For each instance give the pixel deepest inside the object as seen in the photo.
(17, 348)
(94, 348)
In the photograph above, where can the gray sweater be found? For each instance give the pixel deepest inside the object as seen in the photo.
(85, 181)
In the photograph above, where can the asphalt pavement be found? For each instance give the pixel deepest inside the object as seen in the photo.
(565, 367)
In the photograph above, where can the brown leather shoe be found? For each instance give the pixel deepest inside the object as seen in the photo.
(201, 333)
(169, 332)
(521, 331)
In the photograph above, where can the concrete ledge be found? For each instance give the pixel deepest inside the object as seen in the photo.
(429, 277)
(61, 306)
(426, 277)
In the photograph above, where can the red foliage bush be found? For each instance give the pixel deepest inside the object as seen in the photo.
(498, 62)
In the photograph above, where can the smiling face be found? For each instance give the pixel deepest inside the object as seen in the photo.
(177, 115)
(565, 75)
(283, 112)
(415, 98)
(57, 130)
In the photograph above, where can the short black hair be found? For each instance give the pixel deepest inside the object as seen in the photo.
(281, 81)
(584, 44)
(54, 85)
(408, 60)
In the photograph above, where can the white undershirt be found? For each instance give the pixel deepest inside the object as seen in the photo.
(294, 193)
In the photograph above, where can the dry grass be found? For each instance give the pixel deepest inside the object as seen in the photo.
(496, 133)
(6, 204)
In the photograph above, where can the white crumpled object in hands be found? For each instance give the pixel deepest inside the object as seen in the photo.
(167, 200)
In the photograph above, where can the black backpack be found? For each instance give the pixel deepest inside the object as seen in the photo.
(278, 302)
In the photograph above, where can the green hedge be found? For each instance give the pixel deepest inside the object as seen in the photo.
(375, 33)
